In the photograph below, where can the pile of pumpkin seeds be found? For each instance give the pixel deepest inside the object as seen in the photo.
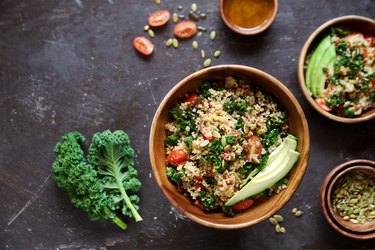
(353, 197)
(296, 212)
(276, 220)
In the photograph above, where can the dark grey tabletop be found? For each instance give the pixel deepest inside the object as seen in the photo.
(70, 66)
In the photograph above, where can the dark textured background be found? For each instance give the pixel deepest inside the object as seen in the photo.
(70, 65)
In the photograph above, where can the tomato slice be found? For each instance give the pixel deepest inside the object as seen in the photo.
(192, 99)
(370, 39)
(243, 205)
(159, 18)
(206, 132)
(198, 178)
(254, 149)
(143, 45)
(323, 104)
(177, 156)
(185, 29)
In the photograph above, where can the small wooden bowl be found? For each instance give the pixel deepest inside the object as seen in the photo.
(262, 209)
(356, 231)
(271, 15)
(358, 23)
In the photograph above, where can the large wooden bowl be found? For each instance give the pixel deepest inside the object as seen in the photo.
(298, 127)
(358, 23)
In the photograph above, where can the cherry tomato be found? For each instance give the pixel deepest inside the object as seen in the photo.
(255, 147)
(143, 45)
(243, 205)
(192, 99)
(206, 131)
(198, 178)
(371, 40)
(323, 104)
(185, 29)
(176, 156)
(198, 186)
(159, 18)
(373, 82)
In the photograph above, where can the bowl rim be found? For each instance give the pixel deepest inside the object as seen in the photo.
(306, 141)
(324, 198)
(301, 73)
(254, 31)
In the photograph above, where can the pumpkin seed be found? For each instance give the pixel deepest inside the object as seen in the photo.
(194, 7)
(193, 16)
(282, 230)
(151, 33)
(200, 33)
(187, 129)
(213, 35)
(169, 42)
(204, 143)
(217, 53)
(203, 54)
(207, 63)
(175, 17)
(277, 228)
(175, 43)
(273, 221)
(223, 141)
(195, 45)
(216, 134)
(299, 213)
(294, 210)
(201, 28)
(146, 28)
(354, 221)
(346, 218)
(279, 218)
(157, 2)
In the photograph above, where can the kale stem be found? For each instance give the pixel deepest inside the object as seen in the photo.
(115, 219)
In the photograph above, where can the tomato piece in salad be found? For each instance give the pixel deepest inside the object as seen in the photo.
(254, 148)
(143, 45)
(192, 99)
(243, 205)
(159, 18)
(185, 29)
(323, 104)
(177, 156)
(206, 132)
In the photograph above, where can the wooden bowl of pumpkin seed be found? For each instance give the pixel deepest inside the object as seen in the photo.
(348, 199)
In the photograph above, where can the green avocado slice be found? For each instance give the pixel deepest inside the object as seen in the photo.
(327, 61)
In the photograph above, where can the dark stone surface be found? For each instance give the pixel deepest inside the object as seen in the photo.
(70, 65)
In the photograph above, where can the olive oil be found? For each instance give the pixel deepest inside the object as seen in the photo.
(248, 14)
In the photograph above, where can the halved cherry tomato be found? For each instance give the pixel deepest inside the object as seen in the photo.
(323, 104)
(185, 29)
(159, 18)
(198, 186)
(206, 131)
(371, 40)
(254, 149)
(177, 156)
(243, 205)
(373, 82)
(198, 178)
(143, 45)
(191, 99)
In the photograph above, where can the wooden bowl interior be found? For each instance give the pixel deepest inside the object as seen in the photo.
(298, 127)
(361, 24)
(253, 31)
(328, 211)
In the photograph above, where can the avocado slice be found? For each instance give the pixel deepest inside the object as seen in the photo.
(281, 162)
(327, 61)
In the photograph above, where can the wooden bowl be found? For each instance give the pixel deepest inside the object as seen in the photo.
(298, 127)
(270, 14)
(356, 231)
(359, 23)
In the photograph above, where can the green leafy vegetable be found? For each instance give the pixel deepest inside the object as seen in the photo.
(230, 139)
(208, 202)
(174, 175)
(171, 140)
(216, 147)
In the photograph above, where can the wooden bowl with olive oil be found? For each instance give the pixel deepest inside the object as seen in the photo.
(347, 199)
(266, 207)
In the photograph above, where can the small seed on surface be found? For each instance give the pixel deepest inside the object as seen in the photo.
(200, 33)
(169, 42)
(217, 53)
(146, 28)
(175, 43)
(279, 218)
(282, 230)
(207, 63)
(157, 2)
(195, 45)
(151, 33)
(273, 221)
(194, 7)
(294, 210)
(213, 35)
(203, 54)
(175, 17)
(277, 228)
(299, 213)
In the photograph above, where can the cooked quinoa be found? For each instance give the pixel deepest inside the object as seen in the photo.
(218, 136)
(350, 88)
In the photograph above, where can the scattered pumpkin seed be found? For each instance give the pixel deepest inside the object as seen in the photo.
(201, 28)
(195, 45)
(157, 2)
(169, 42)
(204, 143)
(282, 230)
(146, 28)
(194, 7)
(175, 17)
(279, 218)
(200, 33)
(203, 54)
(277, 228)
(273, 221)
(192, 16)
(151, 33)
(213, 35)
(354, 221)
(217, 53)
(346, 217)
(207, 63)
(175, 43)
(298, 213)
(294, 210)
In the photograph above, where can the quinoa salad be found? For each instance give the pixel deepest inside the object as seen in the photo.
(218, 138)
(350, 86)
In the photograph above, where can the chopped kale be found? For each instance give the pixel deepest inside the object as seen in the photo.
(174, 175)
(172, 140)
(230, 139)
(216, 147)
(208, 202)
